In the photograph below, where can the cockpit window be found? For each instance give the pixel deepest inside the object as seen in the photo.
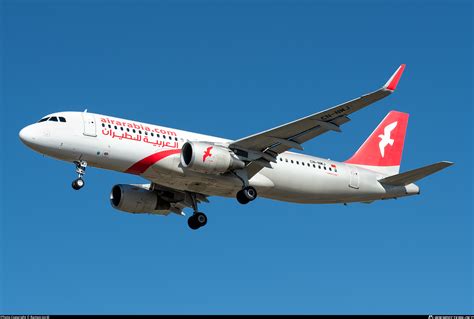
(53, 118)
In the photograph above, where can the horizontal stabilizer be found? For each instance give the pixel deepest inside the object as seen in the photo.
(412, 176)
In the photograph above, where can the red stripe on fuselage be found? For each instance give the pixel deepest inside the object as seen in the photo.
(141, 166)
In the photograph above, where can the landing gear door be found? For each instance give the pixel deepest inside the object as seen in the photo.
(354, 179)
(89, 124)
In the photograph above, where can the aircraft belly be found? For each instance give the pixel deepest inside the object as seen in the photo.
(168, 173)
(305, 185)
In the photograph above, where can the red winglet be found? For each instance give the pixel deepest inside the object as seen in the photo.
(393, 81)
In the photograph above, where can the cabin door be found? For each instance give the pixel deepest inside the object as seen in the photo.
(89, 124)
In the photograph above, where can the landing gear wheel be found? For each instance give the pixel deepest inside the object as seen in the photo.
(80, 170)
(246, 195)
(250, 193)
(197, 220)
(192, 223)
(241, 198)
(201, 219)
(78, 184)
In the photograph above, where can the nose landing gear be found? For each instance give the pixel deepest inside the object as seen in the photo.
(77, 184)
(81, 171)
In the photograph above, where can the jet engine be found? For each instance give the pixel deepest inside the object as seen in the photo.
(209, 158)
(134, 199)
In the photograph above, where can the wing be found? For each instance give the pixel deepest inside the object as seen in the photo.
(263, 147)
(178, 199)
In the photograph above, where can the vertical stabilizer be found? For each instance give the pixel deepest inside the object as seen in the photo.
(382, 151)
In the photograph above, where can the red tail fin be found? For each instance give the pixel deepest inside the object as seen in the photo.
(382, 151)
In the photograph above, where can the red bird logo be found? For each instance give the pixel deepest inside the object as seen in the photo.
(207, 153)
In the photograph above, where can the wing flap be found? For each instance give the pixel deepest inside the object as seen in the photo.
(178, 199)
(310, 134)
(320, 122)
(412, 176)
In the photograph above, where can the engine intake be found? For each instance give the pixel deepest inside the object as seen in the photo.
(133, 199)
(208, 158)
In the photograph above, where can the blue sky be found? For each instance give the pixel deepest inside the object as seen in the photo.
(231, 69)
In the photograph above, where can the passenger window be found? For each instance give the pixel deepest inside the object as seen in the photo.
(286, 160)
(308, 164)
(292, 162)
(121, 128)
(128, 130)
(134, 131)
(140, 132)
(54, 119)
(152, 134)
(314, 166)
(157, 135)
(146, 133)
(110, 126)
(175, 138)
(324, 167)
(115, 127)
(319, 166)
(62, 119)
(330, 169)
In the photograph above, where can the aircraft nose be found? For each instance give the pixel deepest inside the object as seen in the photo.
(27, 135)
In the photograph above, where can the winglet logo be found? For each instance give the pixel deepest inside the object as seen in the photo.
(385, 137)
(207, 153)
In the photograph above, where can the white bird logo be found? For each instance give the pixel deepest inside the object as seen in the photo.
(385, 138)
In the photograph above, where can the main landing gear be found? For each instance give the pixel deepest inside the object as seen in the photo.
(80, 170)
(246, 195)
(198, 219)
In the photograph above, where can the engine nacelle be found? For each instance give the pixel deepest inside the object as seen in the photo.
(208, 158)
(133, 199)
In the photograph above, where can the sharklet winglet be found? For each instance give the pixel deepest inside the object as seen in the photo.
(392, 83)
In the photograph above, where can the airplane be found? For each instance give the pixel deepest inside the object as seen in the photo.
(184, 169)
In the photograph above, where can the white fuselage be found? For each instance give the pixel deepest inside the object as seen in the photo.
(153, 152)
